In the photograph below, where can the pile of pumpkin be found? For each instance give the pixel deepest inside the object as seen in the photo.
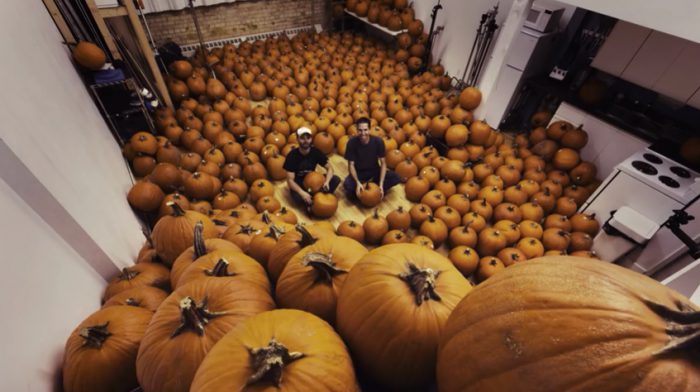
(395, 15)
(401, 316)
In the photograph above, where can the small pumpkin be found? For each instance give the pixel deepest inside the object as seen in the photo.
(143, 274)
(399, 219)
(586, 223)
(147, 297)
(352, 229)
(488, 267)
(375, 227)
(370, 195)
(465, 259)
(324, 205)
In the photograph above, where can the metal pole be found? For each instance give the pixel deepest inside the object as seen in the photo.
(201, 40)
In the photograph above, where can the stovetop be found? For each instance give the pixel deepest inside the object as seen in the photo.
(663, 174)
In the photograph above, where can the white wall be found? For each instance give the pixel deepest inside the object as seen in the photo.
(461, 19)
(675, 17)
(52, 125)
(47, 290)
(66, 223)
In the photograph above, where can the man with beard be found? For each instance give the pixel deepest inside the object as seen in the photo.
(365, 155)
(302, 161)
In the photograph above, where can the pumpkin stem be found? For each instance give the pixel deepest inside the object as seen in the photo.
(324, 266)
(269, 362)
(683, 327)
(200, 248)
(248, 230)
(194, 317)
(177, 210)
(218, 222)
(306, 237)
(220, 269)
(265, 217)
(275, 232)
(95, 336)
(132, 302)
(422, 282)
(127, 274)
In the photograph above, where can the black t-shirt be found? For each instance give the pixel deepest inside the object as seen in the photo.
(365, 156)
(301, 164)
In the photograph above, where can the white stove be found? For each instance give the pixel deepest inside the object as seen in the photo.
(653, 186)
(662, 174)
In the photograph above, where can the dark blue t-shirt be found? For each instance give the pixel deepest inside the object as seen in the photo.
(365, 156)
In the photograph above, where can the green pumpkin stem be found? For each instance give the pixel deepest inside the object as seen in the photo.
(220, 269)
(200, 248)
(177, 209)
(268, 362)
(324, 266)
(194, 317)
(422, 283)
(96, 335)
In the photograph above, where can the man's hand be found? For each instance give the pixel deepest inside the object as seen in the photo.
(381, 190)
(359, 189)
(326, 186)
(307, 198)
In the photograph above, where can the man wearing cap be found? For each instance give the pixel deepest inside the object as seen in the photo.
(303, 160)
(365, 155)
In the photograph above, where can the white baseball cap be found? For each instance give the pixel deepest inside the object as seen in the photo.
(303, 131)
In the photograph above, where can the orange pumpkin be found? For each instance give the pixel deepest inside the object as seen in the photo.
(314, 277)
(324, 205)
(370, 195)
(188, 324)
(286, 348)
(147, 297)
(100, 353)
(612, 314)
(380, 280)
(352, 230)
(375, 227)
(143, 274)
(292, 242)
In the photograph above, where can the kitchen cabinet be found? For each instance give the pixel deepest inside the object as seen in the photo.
(694, 100)
(681, 79)
(653, 59)
(619, 48)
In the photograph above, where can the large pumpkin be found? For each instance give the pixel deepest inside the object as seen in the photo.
(188, 324)
(568, 323)
(292, 242)
(401, 295)
(100, 353)
(200, 248)
(175, 233)
(286, 350)
(226, 265)
(313, 278)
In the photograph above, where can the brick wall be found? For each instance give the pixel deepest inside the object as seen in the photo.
(236, 19)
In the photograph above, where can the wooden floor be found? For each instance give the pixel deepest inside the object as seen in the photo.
(346, 210)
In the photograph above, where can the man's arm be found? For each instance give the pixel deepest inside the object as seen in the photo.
(294, 187)
(329, 174)
(353, 174)
(382, 174)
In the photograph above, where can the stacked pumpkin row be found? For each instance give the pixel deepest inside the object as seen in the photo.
(217, 330)
(160, 340)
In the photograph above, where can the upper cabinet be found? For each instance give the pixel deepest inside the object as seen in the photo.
(619, 48)
(653, 59)
(657, 61)
(681, 79)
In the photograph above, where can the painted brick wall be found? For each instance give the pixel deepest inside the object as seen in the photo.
(236, 19)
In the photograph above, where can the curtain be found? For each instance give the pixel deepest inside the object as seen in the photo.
(173, 5)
